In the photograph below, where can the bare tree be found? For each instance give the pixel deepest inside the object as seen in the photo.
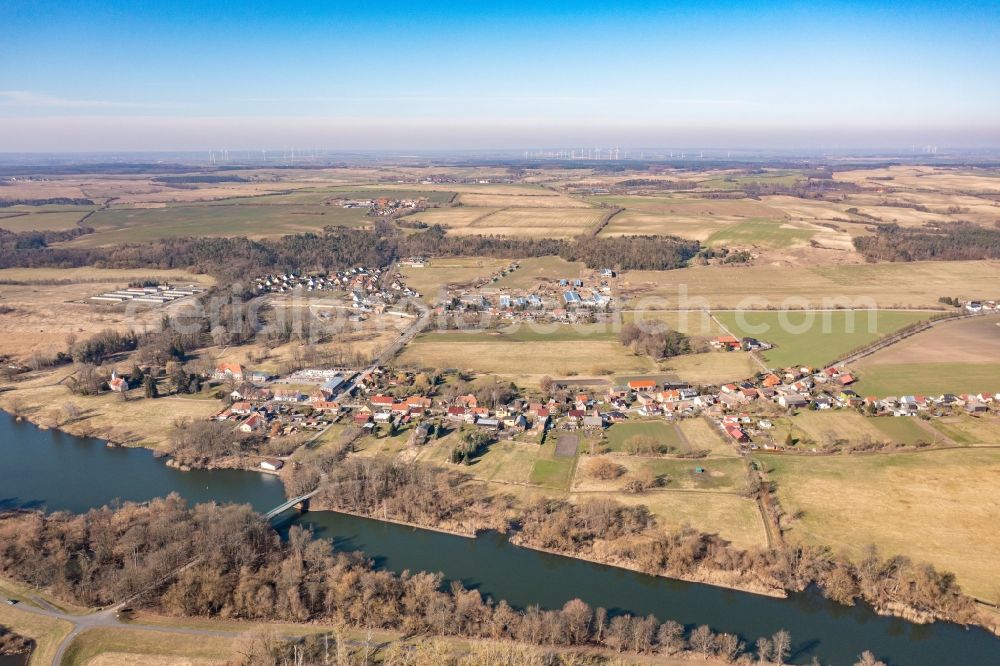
(866, 658)
(763, 650)
(781, 646)
(702, 640)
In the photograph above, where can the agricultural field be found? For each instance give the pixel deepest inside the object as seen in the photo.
(760, 232)
(533, 199)
(525, 353)
(850, 285)
(815, 338)
(533, 222)
(932, 506)
(132, 225)
(964, 429)
(445, 271)
(42, 218)
(952, 357)
(451, 218)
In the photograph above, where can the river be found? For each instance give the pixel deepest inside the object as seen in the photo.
(52, 470)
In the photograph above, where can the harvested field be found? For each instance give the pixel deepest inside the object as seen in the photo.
(932, 506)
(972, 340)
(952, 357)
(534, 222)
(451, 218)
(536, 199)
(854, 285)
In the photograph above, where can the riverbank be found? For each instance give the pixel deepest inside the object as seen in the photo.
(202, 485)
(713, 578)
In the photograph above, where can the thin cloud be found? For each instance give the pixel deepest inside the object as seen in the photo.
(405, 98)
(26, 98)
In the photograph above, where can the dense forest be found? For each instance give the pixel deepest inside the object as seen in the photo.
(952, 242)
(332, 249)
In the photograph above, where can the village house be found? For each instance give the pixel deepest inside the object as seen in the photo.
(253, 423)
(792, 400)
(642, 385)
(241, 408)
(726, 343)
(287, 395)
(228, 371)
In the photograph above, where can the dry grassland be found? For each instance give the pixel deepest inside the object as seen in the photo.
(934, 506)
(43, 316)
(710, 367)
(444, 271)
(533, 270)
(45, 631)
(135, 422)
(512, 358)
(916, 284)
(700, 434)
(735, 519)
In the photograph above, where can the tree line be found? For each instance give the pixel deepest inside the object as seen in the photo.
(234, 259)
(958, 241)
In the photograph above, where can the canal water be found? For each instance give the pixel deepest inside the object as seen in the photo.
(51, 470)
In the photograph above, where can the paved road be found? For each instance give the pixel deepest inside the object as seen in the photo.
(105, 619)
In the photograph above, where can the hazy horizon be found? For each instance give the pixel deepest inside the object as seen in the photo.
(188, 76)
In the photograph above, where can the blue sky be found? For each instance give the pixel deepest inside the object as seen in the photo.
(189, 75)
